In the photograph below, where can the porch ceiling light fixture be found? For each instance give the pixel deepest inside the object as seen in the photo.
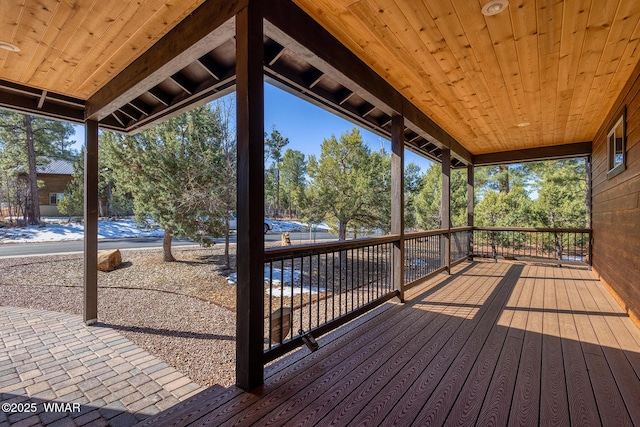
(8, 46)
(523, 124)
(494, 7)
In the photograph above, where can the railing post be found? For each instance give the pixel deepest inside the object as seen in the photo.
(250, 205)
(397, 201)
(445, 212)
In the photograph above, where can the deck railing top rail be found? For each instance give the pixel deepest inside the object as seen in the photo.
(277, 253)
(535, 229)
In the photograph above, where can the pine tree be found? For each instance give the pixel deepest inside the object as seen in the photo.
(347, 183)
(25, 143)
(293, 170)
(429, 200)
(170, 172)
(274, 145)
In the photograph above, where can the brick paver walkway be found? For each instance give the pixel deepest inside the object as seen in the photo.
(55, 371)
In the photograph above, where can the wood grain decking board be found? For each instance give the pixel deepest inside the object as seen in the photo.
(494, 343)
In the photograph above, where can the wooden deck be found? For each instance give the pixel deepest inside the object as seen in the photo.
(493, 344)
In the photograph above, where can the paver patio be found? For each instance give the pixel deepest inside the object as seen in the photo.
(49, 358)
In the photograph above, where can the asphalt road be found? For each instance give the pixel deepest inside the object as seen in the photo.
(27, 249)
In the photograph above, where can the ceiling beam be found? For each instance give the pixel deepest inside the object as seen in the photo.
(28, 100)
(42, 99)
(210, 66)
(207, 27)
(272, 52)
(577, 149)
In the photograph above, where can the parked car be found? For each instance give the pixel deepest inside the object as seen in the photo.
(233, 224)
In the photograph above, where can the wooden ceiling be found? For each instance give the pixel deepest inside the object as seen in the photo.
(74, 47)
(557, 65)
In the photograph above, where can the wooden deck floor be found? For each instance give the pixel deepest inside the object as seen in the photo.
(494, 344)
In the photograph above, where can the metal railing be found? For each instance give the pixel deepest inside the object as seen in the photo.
(461, 238)
(423, 255)
(567, 245)
(316, 288)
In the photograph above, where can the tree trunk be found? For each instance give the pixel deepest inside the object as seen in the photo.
(342, 230)
(33, 205)
(227, 259)
(109, 198)
(504, 179)
(166, 246)
(277, 193)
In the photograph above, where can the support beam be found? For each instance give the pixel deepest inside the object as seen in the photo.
(445, 208)
(470, 205)
(90, 309)
(292, 28)
(250, 179)
(397, 201)
(577, 149)
(27, 100)
(197, 34)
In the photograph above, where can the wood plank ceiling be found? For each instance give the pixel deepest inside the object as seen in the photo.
(74, 47)
(557, 65)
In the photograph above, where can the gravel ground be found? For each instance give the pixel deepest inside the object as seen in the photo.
(182, 312)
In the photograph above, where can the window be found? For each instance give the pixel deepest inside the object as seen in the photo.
(55, 198)
(616, 146)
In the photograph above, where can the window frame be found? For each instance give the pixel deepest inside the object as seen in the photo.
(614, 167)
(57, 199)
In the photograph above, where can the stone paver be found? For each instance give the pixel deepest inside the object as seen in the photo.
(55, 371)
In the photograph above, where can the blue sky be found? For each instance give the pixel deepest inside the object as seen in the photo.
(305, 125)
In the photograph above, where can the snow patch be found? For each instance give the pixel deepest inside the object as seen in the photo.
(282, 282)
(54, 230)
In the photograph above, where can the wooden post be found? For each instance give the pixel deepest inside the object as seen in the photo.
(397, 201)
(588, 205)
(470, 205)
(445, 209)
(250, 205)
(90, 308)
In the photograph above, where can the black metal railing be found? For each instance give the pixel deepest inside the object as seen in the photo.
(315, 288)
(461, 243)
(423, 255)
(567, 245)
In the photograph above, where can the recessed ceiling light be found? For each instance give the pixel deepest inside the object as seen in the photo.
(523, 124)
(494, 7)
(8, 46)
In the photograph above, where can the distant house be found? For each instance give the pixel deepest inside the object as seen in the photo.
(55, 175)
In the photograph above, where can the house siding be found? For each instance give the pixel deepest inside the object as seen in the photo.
(52, 184)
(616, 206)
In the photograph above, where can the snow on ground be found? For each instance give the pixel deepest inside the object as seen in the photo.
(293, 226)
(281, 282)
(55, 230)
(59, 229)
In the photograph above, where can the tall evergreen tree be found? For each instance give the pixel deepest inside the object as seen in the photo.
(561, 188)
(429, 201)
(169, 170)
(347, 184)
(25, 143)
(293, 171)
(274, 144)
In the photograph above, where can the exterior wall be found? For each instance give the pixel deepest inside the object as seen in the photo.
(616, 206)
(52, 184)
